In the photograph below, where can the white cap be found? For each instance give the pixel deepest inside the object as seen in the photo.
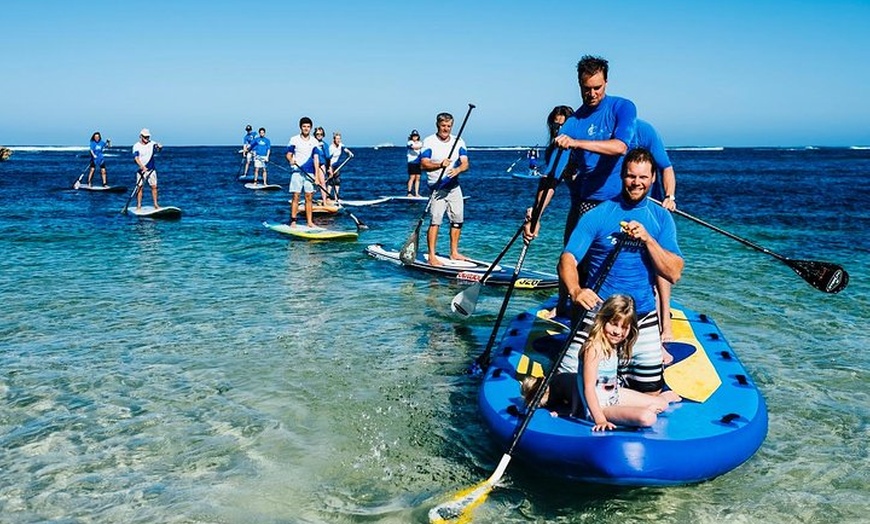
(144, 132)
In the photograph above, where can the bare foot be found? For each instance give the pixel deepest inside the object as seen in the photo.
(670, 396)
(458, 256)
(312, 225)
(667, 358)
(547, 313)
(433, 260)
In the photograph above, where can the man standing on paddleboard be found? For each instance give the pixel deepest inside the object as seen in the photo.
(260, 147)
(443, 161)
(595, 137)
(298, 155)
(143, 155)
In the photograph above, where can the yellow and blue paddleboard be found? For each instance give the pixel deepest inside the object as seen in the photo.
(312, 233)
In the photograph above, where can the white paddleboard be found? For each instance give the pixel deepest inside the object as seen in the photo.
(416, 199)
(262, 187)
(168, 212)
(409, 198)
(358, 203)
(312, 233)
(98, 188)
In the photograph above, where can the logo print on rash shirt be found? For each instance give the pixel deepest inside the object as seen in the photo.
(591, 130)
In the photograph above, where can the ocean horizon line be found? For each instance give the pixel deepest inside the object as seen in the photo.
(699, 148)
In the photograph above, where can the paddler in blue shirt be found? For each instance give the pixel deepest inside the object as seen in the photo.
(248, 139)
(97, 148)
(596, 136)
(260, 147)
(650, 251)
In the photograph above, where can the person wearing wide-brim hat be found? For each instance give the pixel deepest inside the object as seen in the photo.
(415, 145)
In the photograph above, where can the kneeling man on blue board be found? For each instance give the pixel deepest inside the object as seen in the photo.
(650, 251)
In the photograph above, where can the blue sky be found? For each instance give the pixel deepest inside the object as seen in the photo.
(736, 73)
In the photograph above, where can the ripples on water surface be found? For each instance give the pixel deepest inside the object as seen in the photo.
(209, 370)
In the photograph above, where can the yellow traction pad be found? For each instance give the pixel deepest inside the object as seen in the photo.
(542, 326)
(694, 377)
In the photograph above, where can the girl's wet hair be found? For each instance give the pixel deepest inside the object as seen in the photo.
(621, 309)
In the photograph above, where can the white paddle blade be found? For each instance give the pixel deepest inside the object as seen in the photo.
(465, 302)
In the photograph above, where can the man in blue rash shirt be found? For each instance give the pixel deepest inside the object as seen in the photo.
(650, 250)
(250, 136)
(261, 147)
(596, 136)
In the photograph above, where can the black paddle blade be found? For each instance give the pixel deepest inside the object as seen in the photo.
(408, 253)
(824, 276)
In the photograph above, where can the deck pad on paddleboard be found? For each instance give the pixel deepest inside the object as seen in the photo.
(167, 212)
(262, 187)
(312, 233)
(316, 208)
(468, 270)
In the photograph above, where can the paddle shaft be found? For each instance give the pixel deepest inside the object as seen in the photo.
(483, 360)
(732, 236)
(81, 176)
(824, 276)
(536, 400)
(536, 215)
(139, 183)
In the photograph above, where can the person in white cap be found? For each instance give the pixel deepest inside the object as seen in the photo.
(143, 155)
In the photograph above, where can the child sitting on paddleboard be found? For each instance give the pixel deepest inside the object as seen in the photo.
(598, 393)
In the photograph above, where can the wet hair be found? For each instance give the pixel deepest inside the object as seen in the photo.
(443, 117)
(619, 308)
(529, 387)
(94, 136)
(552, 126)
(263, 129)
(305, 120)
(637, 155)
(590, 65)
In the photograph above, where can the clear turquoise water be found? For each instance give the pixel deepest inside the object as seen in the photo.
(210, 370)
